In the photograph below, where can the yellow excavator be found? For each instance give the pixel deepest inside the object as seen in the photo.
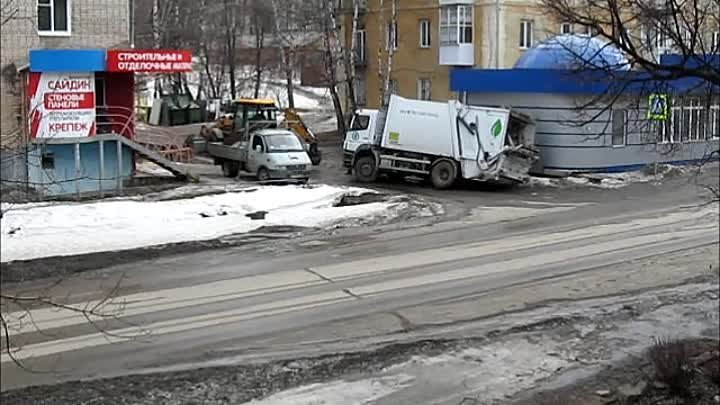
(248, 115)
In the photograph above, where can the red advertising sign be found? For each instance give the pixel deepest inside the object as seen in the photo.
(62, 105)
(149, 61)
(69, 101)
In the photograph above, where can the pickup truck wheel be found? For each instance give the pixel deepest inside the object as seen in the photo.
(443, 174)
(263, 174)
(365, 170)
(230, 168)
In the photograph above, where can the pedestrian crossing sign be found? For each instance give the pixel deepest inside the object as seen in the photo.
(658, 107)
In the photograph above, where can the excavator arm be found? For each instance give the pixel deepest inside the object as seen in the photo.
(295, 123)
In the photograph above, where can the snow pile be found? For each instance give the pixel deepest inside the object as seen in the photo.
(152, 169)
(30, 231)
(493, 373)
(599, 180)
(650, 174)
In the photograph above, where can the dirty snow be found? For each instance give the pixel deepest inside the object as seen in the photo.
(490, 372)
(152, 169)
(339, 392)
(618, 180)
(30, 231)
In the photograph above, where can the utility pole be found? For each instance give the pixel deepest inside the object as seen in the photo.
(497, 34)
(131, 22)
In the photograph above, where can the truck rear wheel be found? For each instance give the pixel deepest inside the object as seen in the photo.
(230, 168)
(365, 169)
(443, 174)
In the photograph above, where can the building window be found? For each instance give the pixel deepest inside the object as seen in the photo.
(526, 34)
(619, 127)
(53, 17)
(360, 46)
(456, 25)
(566, 28)
(692, 119)
(655, 38)
(714, 124)
(425, 34)
(392, 36)
(394, 87)
(424, 86)
(589, 31)
(360, 92)
(47, 160)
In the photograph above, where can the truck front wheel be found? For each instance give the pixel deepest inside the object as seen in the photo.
(365, 169)
(443, 174)
(263, 174)
(230, 168)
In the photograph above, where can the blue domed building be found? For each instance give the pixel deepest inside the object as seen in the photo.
(591, 108)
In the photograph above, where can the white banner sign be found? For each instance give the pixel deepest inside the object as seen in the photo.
(62, 105)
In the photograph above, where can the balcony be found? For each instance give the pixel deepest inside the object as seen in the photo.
(457, 26)
(457, 55)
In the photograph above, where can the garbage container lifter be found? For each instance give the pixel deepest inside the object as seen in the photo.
(442, 141)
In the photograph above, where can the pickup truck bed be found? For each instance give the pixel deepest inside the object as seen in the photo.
(236, 152)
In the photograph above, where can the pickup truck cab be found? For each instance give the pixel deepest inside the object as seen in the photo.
(271, 154)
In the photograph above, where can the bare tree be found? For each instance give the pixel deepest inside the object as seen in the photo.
(388, 37)
(261, 25)
(349, 58)
(9, 10)
(645, 29)
(332, 57)
(231, 28)
(17, 314)
(286, 38)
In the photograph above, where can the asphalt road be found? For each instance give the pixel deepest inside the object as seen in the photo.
(257, 303)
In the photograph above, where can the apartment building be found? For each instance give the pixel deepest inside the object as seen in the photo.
(433, 36)
(46, 24)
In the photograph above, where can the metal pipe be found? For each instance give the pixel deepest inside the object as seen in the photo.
(119, 166)
(497, 34)
(78, 170)
(102, 167)
(131, 23)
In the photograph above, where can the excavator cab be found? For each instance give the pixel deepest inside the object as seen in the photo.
(249, 115)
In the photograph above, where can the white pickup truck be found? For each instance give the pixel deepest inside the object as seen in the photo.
(272, 154)
(442, 141)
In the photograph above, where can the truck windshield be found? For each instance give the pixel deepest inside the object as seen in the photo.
(283, 143)
(360, 122)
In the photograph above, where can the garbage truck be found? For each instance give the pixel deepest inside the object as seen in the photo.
(440, 141)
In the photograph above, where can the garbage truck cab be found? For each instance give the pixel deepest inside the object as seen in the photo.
(360, 132)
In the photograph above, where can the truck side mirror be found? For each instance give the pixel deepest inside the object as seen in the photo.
(258, 148)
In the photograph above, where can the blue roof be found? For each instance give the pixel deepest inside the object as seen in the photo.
(691, 61)
(67, 60)
(589, 82)
(573, 52)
